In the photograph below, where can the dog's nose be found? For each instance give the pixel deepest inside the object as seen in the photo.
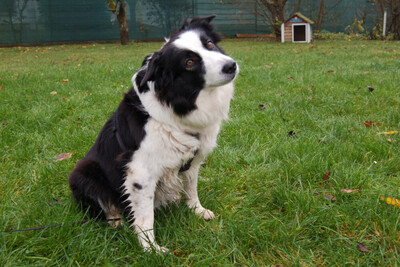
(229, 68)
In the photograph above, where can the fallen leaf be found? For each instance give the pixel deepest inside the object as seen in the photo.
(329, 197)
(388, 133)
(176, 253)
(261, 106)
(326, 175)
(329, 71)
(370, 88)
(63, 99)
(348, 191)
(63, 156)
(309, 89)
(292, 134)
(363, 248)
(53, 93)
(290, 78)
(365, 73)
(391, 201)
(370, 123)
(64, 80)
(268, 66)
(1, 87)
(390, 140)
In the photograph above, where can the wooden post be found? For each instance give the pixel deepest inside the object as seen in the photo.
(384, 22)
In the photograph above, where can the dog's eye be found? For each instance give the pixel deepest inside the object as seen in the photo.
(210, 44)
(189, 62)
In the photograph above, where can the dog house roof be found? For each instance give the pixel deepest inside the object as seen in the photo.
(301, 16)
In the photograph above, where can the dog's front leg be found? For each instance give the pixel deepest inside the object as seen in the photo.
(140, 186)
(190, 178)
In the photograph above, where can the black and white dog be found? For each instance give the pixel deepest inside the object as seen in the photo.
(151, 148)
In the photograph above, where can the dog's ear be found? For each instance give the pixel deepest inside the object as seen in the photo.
(158, 73)
(186, 22)
(151, 69)
(209, 18)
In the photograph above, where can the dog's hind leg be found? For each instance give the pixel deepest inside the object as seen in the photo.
(91, 189)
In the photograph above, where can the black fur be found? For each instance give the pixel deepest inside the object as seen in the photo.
(98, 176)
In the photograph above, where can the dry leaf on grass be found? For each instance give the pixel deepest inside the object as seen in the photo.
(326, 175)
(390, 140)
(391, 201)
(370, 123)
(53, 93)
(292, 134)
(370, 88)
(348, 191)
(329, 197)
(63, 156)
(64, 80)
(363, 248)
(388, 133)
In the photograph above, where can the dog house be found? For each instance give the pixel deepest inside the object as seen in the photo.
(297, 29)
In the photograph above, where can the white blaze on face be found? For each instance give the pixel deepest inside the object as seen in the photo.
(213, 61)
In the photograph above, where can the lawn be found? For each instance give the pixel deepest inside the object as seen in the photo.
(301, 174)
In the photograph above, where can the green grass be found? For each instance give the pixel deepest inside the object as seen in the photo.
(266, 187)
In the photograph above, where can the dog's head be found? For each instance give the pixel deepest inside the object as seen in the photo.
(189, 62)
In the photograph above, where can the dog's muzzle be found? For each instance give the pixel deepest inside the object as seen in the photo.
(230, 68)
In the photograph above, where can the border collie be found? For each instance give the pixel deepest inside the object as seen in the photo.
(151, 148)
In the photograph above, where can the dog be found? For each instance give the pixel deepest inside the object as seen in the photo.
(150, 150)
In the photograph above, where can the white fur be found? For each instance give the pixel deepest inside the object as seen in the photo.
(170, 142)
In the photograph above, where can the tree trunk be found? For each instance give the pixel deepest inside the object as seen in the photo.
(320, 17)
(276, 9)
(123, 23)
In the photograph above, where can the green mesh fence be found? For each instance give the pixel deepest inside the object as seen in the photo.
(46, 21)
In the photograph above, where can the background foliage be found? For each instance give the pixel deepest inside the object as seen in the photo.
(44, 21)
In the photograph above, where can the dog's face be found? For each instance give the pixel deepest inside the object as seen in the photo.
(189, 62)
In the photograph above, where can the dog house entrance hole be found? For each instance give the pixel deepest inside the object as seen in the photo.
(299, 33)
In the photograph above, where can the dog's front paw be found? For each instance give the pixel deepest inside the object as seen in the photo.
(208, 215)
(205, 214)
(157, 249)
